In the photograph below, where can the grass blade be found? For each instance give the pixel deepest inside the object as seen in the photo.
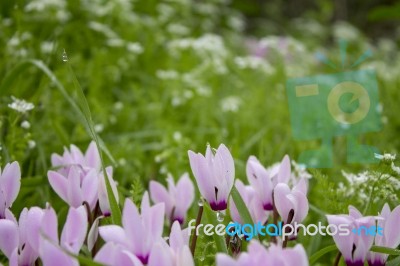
(241, 207)
(212, 219)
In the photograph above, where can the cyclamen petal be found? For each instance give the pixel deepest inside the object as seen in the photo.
(92, 156)
(353, 247)
(257, 254)
(160, 256)
(177, 199)
(202, 173)
(159, 194)
(51, 255)
(59, 184)
(284, 170)
(10, 183)
(391, 235)
(214, 175)
(114, 254)
(255, 206)
(292, 205)
(102, 192)
(259, 178)
(74, 232)
(9, 237)
(113, 233)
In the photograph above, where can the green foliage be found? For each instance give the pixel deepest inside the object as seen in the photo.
(153, 79)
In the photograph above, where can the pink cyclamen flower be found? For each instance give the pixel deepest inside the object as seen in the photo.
(74, 156)
(53, 251)
(139, 231)
(253, 203)
(258, 255)
(78, 178)
(177, 253)
(77, 187)
(291, 204)
(177, 199)
(391, 234)
(354, 246)
(19, 240)
(104, 202)
(264, 181)
(10, 183)
(214, 174)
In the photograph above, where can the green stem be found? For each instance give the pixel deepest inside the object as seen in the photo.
(194, 238)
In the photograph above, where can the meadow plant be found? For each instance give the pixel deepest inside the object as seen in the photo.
(144, 87)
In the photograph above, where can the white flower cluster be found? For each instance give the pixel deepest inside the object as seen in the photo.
(21, 106)
(207, 45)
(386, 157)
(251, 62)
(167, 74)
(231, 104)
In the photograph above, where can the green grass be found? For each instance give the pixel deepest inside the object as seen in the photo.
(148, 123)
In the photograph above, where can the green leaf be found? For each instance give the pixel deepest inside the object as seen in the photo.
(385, 250)
(84, 115)
(84, 107)
(241, 207)
(321, 253)
(212, 219)
(394, 262)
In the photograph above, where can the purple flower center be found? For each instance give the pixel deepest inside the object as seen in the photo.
(179, 219)
(268, 206)
(354, 263)
(143, 259)
(376, 263)
(218, 206)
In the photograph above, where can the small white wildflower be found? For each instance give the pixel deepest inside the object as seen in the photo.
(252, 62)
(21, 106)
(25, 124)
(47, 47)
(31, 144)
(356, 179)
(176, 101)
(115, 42)
(98, 128)
(134, 47)
(203, 91)
(396, 168)
(118, 106)
(14, 41)
(301, 170)
(122, 161)
(158, 158)
(177, 136)
(113, 119)
(236, 23)
(178, 29)
(187, 94)
(385, 157)
(230, 104)
(167, 74)
(163, 170)
(1, 148)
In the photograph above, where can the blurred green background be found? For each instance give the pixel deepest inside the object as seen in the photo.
(163, 77)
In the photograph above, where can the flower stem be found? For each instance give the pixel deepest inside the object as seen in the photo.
(337, 260)
(194, 238)
(275, 216)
